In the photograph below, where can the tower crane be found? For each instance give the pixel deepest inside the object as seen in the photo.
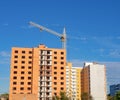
(62, 36)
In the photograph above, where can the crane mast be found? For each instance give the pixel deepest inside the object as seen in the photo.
(62, 36)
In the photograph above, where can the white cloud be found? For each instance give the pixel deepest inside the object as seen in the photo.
(55, 24)
(6, 24)
(112, 64)
(115, 53)
(101, 50)
(27, 27)
(4, 78)
(78, 38)
(4, 57)
(77, 63)
(112, 70)
(118, 37)
(5, 61)
(4, 54)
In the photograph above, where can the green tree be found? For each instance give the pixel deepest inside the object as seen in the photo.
(55, 98)
(109, 97)
(117, 96)
(62, 96)
(5, 95)
(86, 96)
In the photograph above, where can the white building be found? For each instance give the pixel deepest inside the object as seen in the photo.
(73, 82)
(94, 80)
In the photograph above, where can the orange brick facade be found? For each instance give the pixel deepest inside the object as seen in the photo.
(37, 73)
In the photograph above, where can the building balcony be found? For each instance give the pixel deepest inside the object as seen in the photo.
(45, 85)
(45, 58)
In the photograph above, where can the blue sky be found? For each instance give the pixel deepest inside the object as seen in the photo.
(93, 30)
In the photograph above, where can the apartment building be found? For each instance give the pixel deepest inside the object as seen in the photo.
(68, 80)
(37, 73)
(94, 81)
(73, 82)
(114, 89)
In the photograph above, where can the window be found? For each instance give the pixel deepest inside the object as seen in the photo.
(41, 62)
(55, 83)
(41, 67)
(22, 62)
(16, 51)
(21, 93)
(14, 92)
(30, 52)
(14, 83)
(62, 62)
(21, 88)
(15, 56)
(48, 72)
(42, 52)
(42, 57)
(48, 62)
(23, 57)
(15, 67)
(62, 83)
(55, 78)
(30, 62)
(30, 57)
(29, 72)
(62, 67)
(55, 67)
(15, 61)
(29, 77)
(55, 93)
(22, 77)
(55, 57)
(62, 78)
(41, 78)
(55, 62)
(48, 57)
(14, 88)
(29, 83)
(15, 72)
(41, 88)
(55, 52)
(29, 88)
(48, 88)
(62, 88)
(62, 53)
(55, 88)
(41, 83)
(48, 83)
(48, 67)
(22, 67)
(48, 78)
(22, 83)
(48, 52)
(62, 73)
(22, 72)
(55, 72)
(62, 57)
(23, 51)
(47, 94)
(29, 67)
(41, 72)
(14, 77)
